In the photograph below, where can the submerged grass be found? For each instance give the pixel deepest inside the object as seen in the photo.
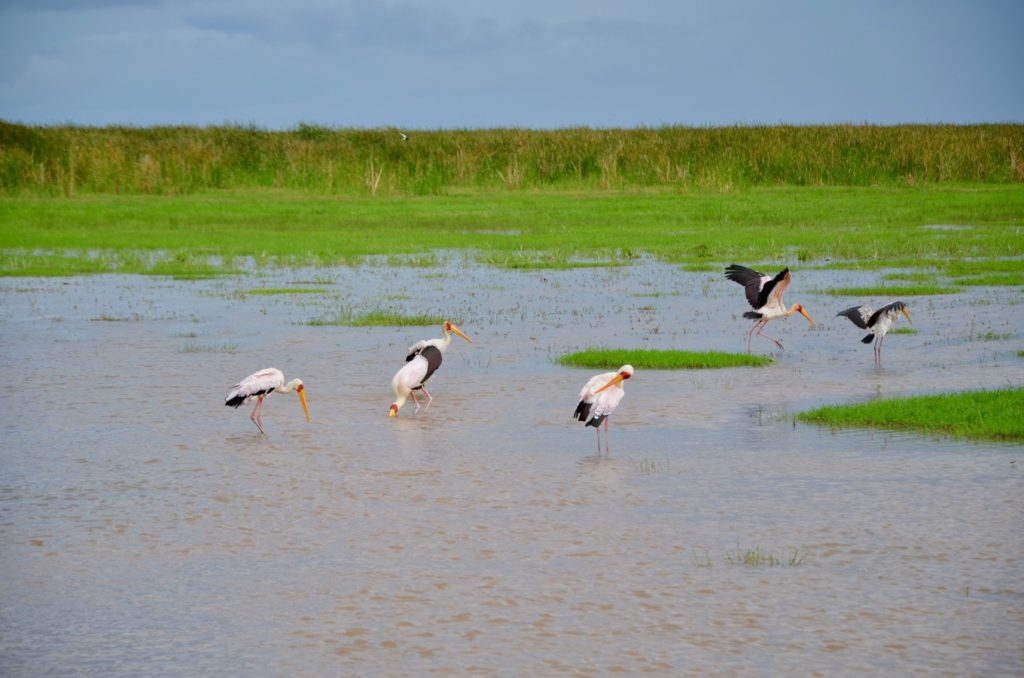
(995, 415)
(272, 291)
(756, 557)
(661, 360)
(894, 291)
(377, 318)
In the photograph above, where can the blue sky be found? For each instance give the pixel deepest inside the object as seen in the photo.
(425, 64)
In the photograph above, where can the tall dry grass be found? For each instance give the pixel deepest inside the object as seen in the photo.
(68, 160)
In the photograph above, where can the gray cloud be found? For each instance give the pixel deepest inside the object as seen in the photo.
(460, 63)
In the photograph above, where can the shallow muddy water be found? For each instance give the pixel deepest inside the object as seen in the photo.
(145, 528)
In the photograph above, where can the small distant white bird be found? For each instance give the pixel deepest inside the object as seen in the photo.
(405, 137)
(259, 386)
(599, 398)
(878, 323)
(765, 294)
(423, 359)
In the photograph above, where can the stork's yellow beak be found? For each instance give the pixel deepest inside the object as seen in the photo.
(457, 331)
(809, 318)
(617, 379)
(302, 399)
(393, 412)
(907, 313)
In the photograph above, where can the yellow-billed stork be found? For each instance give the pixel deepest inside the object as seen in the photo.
(765, 294)
(259, 386)
(877, 323)
(600, 396)
(423, 359)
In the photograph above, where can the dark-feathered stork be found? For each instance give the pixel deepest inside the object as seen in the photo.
(599, 398)
(877, 323)
(765, 294)
(423, 359)
(259, 386)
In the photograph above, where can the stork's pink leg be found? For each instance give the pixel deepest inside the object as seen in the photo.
(750, 334)
(257, 414)
(606, 434)
(415, 400)
(761, 333)
(430, 398)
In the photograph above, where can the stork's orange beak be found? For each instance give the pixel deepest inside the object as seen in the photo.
(804, 314)
(617, 379)
(302, 399)
(457, 331)
(907, 313)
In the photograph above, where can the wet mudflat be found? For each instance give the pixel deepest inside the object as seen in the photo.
(145, 528)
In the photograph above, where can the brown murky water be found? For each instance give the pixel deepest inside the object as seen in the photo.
(145, 528)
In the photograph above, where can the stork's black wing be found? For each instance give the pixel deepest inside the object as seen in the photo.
(858, 315)
(894, 308)
(433, 356)
(757, 286)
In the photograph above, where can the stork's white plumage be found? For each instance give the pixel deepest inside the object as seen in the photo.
(765, 295)
(877, 323)
(423, 359)
(600, 397)
(259, 386)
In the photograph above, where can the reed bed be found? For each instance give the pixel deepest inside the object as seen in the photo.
(69, 160)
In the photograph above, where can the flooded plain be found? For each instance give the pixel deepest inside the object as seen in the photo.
(147, 529)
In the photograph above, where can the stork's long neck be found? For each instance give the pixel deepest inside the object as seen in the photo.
(445, 342)
(290, 386)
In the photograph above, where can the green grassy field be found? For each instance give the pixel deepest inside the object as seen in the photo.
(995, 415)
(208, 234)
(613, 359)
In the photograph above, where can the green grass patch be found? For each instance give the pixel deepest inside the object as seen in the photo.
(903, 330)
(378, 318)
(970, 268)
(994, 415)
(208, 232)
(893, 291)
(273, 291)
(661, 360)
(993, 280)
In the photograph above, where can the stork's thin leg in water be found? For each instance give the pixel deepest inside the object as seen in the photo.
(750, 334)
(430, 398)
(415, 400)
(760, 333)
(606, 435)
(257, 415)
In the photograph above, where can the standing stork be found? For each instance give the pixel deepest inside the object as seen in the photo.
(765, 294)
(422, 361)
(599, 398)
(259, 386)
(877, 323)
